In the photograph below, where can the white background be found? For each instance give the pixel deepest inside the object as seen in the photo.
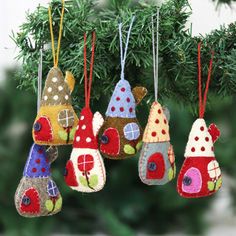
(205, 17)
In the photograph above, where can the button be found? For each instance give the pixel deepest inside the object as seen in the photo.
(187, 181)
(104, 139)
(37, 126)
(152, 166)
(26, 200)
(65, 172)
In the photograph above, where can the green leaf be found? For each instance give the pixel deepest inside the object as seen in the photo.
(210, 185)
(128, 149)
(49, 205)
(93, 181)
(170, 174)
(218, 184)
(58, 204)
(139, 145)
(62, 134)
(72, 133)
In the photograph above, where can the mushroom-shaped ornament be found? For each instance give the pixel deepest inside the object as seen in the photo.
(85, 171)
(157, 159)
(121, 134)
(56, 120)
(200, 174)
(37, 194)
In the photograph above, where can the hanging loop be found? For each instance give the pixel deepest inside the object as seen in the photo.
(202, 100)
(155, 51)
(54, 53)
(88, 84)
(123, 54)
(40, 72)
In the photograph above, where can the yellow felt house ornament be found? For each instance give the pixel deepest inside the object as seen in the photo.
(56, 120)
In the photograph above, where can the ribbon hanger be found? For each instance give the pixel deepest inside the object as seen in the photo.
(87, 86)
(123, 54)
(54, 53)
(202, 101)
(155, 50)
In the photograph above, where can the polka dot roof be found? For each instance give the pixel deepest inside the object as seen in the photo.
(200, 141)
(37, 164)
(122, 103)
(157, 128)
(84, 136)
(56, 90)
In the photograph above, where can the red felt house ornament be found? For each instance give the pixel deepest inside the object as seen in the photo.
(200, 174)
(85, 171)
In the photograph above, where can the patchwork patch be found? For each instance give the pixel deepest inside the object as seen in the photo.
(70, 177)
(43, 129)
(213, 169)
(131, 131)
(30, 202)
(155, 166)
(85, 163)
(112, 146)
(192, 181)
(52, 189)
(66, 118)
(37, 164)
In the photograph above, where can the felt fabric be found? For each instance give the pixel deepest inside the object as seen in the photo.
(156, 163)
(56, 120)
(157, 128)
(122, 103)
(200, 174)
(157, 158)
(121, 134)
(85, 171)
(118, 146)
(37, 194)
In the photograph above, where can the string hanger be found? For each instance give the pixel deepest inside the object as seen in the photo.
(88, 84)
(123, 54)
(202, 100)
(54, 53)
(40, 72)
(155, 51)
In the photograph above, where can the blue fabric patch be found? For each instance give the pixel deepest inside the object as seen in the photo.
(122, 103)
(37, 164)
(52, 189)
(131, 131)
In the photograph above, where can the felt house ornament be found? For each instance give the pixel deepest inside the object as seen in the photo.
(56, 120)
(37, 194)
(121, 134)
(200, 174)
(157, 159)
(85, 171)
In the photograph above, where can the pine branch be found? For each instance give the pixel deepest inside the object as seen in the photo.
(178, 49)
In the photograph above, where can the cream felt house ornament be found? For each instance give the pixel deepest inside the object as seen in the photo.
(157, 159)
(200, 174)
(85, 171)
(56, 120)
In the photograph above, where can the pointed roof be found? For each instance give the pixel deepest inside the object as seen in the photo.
(56, 90)
(157, 128)
(199, 141)
(122, 103)
(37, 164)
(84, 136)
